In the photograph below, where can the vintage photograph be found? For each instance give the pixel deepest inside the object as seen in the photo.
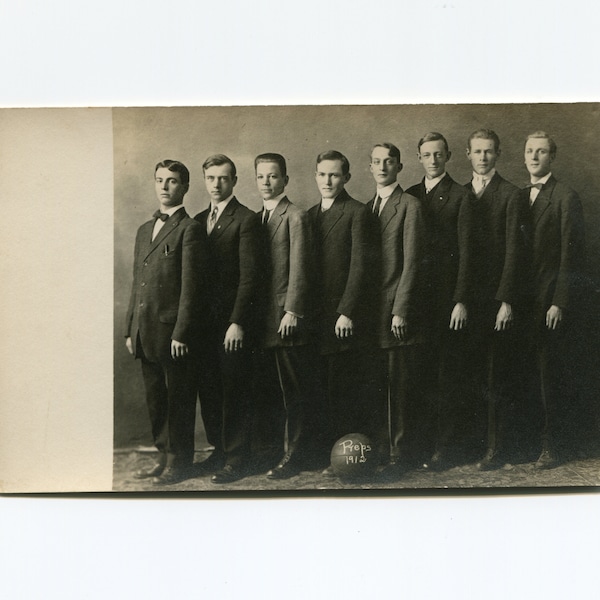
(389, 297)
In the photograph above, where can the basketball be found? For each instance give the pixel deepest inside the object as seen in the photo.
(352, 456)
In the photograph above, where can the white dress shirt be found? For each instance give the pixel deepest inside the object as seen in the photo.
(220, 206)
(271, 205)
(384, 193)
(480, 182)
(431, 183)
(159, 223)
(533, 192)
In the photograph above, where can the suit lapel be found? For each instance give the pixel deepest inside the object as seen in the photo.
(543, 200)
(440, 194)
(391, 208)
(225, 220)
(277, 216)
(170, 225)
(334, 214)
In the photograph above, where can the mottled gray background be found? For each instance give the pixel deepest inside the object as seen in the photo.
(143, 136)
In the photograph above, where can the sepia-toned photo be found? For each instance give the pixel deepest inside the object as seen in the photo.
(356, 297)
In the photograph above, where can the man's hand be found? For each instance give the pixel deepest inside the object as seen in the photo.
(553, 317)
(178, 349)
(233, 338)
(343, 328)
(129, 345)
(399, 327)
(288, 325)
(504, 318)
(458, 318)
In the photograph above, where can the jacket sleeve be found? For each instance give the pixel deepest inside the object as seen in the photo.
(192, 299)
(463, 291)
(134, 284)
(359, 264)
(572, 249)
(300, 248)
(248, 260)
(413, 248)
(514, 255)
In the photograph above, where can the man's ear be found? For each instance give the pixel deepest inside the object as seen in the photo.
(347, 177)
(448, 154)
(286, 180)
(400, 167)
(234, 180)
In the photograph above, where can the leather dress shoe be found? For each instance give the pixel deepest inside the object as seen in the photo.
(154, 471)
(172, 475)
(490, 462)
(547, 460)
(438, 462)
(227, 474)
(393, 470)
(284, 470)
(215, 462)
(328, 472)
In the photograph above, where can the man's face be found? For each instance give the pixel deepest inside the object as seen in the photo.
(269, 180)
(169, 189)
(385, 168)
(433, 156)
(219, 182)
(483, 155)
(538, 157)
(330, 178)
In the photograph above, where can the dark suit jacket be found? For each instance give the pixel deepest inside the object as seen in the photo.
(169, 285)
(285, 272)
(449, 212)
(501, 216)
(403, 243)
(233, 252)
(344, 270)
(557, 260)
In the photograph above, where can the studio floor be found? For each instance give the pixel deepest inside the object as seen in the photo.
(582, 472)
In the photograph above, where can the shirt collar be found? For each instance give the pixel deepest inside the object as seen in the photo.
(220, 206)
(272, 204)
(327, 203)
(431, 183)
(172, 210)
(385, 192)
(543, 179)
(487, 177)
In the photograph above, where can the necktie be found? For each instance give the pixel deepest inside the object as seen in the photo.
(160, 215)
(480, 185)
(377, 205)
(213, 218)
(266, 216)
(534, 190)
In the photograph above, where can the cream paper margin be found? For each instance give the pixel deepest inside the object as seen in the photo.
(56, 169)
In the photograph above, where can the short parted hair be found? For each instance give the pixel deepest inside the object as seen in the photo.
(274, 158)
(176, 167)
(335, 155)
(545, 136)
(485, 134)
(433, 136)
(394, 150)
(216, 160)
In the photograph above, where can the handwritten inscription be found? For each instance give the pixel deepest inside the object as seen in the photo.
(354, 452)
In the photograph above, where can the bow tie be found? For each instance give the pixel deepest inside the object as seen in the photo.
(160, 215)
(537, 186)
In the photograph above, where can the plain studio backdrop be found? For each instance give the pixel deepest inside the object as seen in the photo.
(144, 136)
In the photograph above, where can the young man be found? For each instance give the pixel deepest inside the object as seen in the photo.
(225, 385)
(500, 273)
(345, 281)
(557, 261)
(283, 335)
(448, 209)
(402, 237)
(164, 318)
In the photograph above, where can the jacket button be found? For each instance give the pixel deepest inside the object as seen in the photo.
(141, 304)
(143, 283)
(145, 264)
